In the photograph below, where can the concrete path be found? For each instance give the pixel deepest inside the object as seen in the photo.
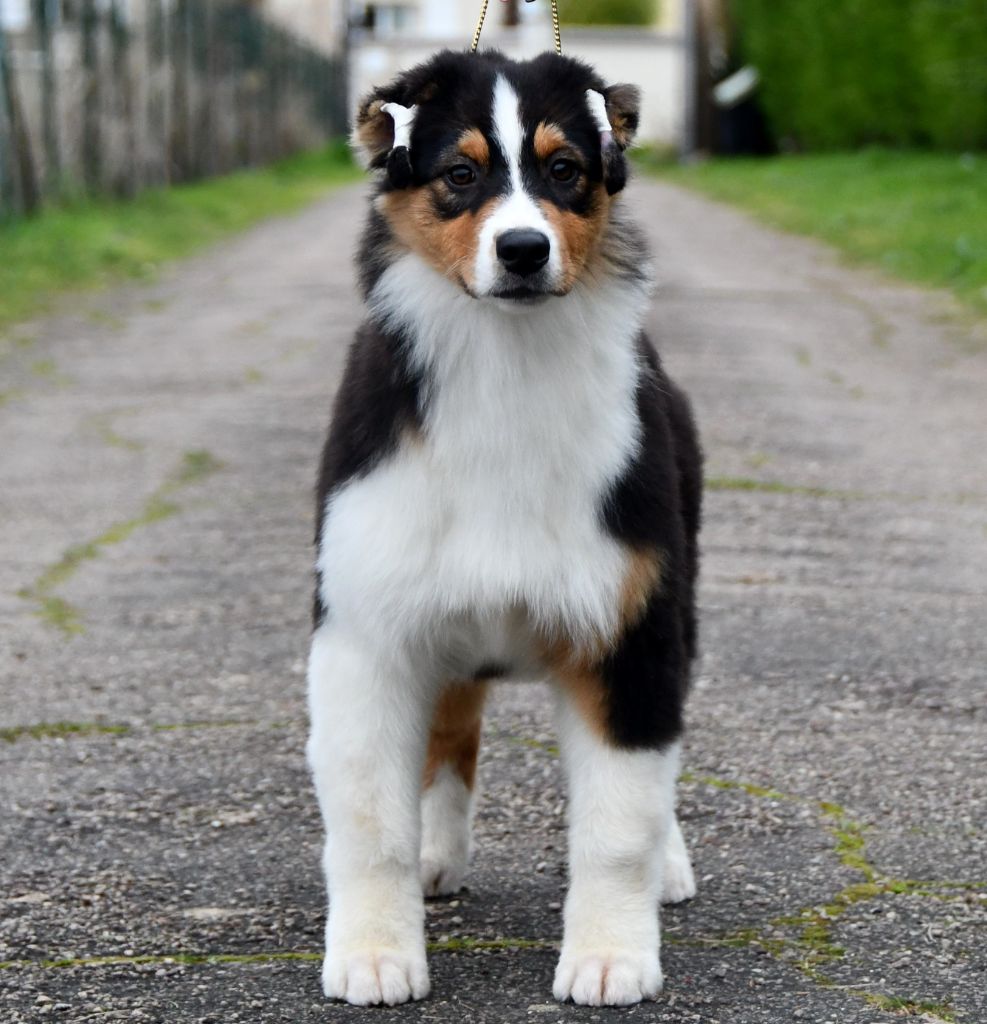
(159, 851)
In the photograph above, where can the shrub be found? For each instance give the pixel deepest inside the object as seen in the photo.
(608, 12)
(845, 73)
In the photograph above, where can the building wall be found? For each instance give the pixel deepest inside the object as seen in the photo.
(655, 61)
(320, 23)
(455, 20)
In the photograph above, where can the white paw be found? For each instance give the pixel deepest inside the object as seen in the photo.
(375, 976)
(441, 876)
(678, 880)
(607, 978)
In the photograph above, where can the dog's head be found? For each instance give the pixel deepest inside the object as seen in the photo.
(500, 174)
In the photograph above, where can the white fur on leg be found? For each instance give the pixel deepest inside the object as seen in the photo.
(447, 812)
(366, 749)
(620, 808)
(678, 881)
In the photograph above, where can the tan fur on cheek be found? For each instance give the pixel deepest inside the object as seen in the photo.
(579, 236)
(449, 245)
(455, 736)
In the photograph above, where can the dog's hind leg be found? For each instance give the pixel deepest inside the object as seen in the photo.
(678, 882)
(366, 751)
(448, 790)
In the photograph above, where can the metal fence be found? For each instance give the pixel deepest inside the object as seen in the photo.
(112, 96)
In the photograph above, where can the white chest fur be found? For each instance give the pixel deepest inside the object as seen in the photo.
(494, 512)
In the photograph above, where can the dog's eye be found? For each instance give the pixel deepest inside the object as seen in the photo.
(461, 175)
(564, 171)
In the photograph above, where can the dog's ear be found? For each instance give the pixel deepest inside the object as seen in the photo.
(624, 111)
(381, 134)
(616, 113)
(373, 131)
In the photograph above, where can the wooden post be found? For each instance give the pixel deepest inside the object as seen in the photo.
(689, 141)
(23, 158)
(92, 143)
(156, 135)
(212, 160)
(44, 13)
(126, 180)
(180, 130)
(6, 148)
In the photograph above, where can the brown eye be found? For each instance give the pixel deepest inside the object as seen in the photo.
(460, 176)
(564, 171)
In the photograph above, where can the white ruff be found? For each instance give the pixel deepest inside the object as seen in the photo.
(530, 419)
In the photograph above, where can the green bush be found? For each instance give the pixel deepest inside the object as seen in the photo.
(608, 12)
(838, 74)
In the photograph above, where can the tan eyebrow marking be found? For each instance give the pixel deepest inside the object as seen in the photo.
(548, 138)
(474, 145)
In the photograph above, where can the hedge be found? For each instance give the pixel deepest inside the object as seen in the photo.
(838, 74)
(608, 12)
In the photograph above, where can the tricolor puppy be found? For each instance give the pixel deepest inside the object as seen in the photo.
(510, 488)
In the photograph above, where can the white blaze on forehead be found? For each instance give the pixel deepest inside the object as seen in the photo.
(507, 127)
(404, 121)
(517, 209)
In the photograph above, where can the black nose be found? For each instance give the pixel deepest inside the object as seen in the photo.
(523, 251)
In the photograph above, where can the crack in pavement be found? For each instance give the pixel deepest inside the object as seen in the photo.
(463, 944)
(807, 951)
(67, 730)
(813, 946)
(55, 611)
(753, 485)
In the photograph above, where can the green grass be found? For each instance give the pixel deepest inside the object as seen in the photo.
(919, 216)
(90, 244)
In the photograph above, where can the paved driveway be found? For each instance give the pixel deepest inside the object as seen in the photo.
(159, 850)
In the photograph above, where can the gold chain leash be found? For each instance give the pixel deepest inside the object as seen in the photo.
(479, 26)
(556, 31)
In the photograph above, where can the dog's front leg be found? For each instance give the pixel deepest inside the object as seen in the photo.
(369, 724)
(621, 807)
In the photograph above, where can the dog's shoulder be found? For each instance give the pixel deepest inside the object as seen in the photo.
(378, 400)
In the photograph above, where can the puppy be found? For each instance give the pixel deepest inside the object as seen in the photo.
(510, 487)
